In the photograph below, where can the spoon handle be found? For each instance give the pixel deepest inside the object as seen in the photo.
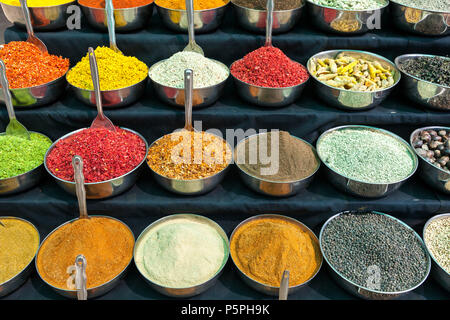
(190, 17)
(111, 23)
(96, 81)
(6, 92)
(26, 15)
(269, 23)
(77, 163)
(80, 277)
(188, 87)
(284, 287)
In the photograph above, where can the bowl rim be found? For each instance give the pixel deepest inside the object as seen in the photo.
(100, 182)
(183, 10)
(118, 9)
(211, 223)
(413, 7)
(272, 181)
(41, 7)
(349, 10)
(264, 10)
(425, 227)
(379, 130)
(396, 220)
(338, 51)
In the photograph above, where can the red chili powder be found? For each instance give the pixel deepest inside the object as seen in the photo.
(269, 67)
(117, 4)
(106, 154)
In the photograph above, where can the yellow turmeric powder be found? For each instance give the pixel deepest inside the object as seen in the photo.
(37, 3)
(198, 4)
(265, 247)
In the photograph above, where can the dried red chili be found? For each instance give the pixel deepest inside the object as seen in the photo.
(269, 67)
(117, 4)
(106, 154)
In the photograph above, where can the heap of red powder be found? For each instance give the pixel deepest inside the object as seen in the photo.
(117, 4)
(269, 67)
(106, 154)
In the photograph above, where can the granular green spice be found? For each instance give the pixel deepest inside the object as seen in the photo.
(437, 239)
(433, 5)
(352, 4)
(18, 155)
(432, 69)
(262, 4)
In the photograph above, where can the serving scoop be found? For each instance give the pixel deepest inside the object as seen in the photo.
(31, 36)
(188, 92)
(192, 45)
(111, 26)
(269, 23)
(284, 286)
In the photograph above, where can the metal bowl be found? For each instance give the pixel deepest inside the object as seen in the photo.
(345, 22)
(428, 94)
(361, 291)
(438, 273)
(361, 188)
(419, 21)
(92, 292)
(126, 19)
(104, 189)
(264, 288)
(255, 20)
(435, 177)
(23, 181)
(189, 291)
(274, 188)
(202, 97)
(42, 18)
(20, 278)
(353, 100)
(204, 20)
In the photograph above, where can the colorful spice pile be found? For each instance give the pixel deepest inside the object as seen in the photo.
(27, 66)
(264, 248)
(358, 245)
(433, 5)
(352, 4)
(198, 4)
(117, 4)
(432, 69)
(346, 22)
(186, 155)
(437, 239)
(37, 3)
(262, 4)
(269, 67)
(181, 253)
(18, 155)
(115, 70)
(207, 72)
(106, 154)
(107, 245)
(19, 241)
(434, 146)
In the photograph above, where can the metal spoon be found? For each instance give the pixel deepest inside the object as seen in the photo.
(31, 37)
(1, 224)
(77, 163)
(269, 23)
(284, 286)
(188, 88)
(192, 46)
(80, 277)
(14, 128)
(111, 26)
(101, 121)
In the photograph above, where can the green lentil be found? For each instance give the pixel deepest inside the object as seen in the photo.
(437, 239)
(433, 5)
(352, 4)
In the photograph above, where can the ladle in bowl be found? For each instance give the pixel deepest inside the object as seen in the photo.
(192, 45)
(284, 286)
(269, 23)
(31, 36)
(111, 26)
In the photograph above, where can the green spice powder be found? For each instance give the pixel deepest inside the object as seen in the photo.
(437, 238)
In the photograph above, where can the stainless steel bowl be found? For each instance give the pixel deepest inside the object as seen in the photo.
(264, 288)
(274, 188)
(423, 22)
(127, 19)
(361, 291)
(42, 18)
(23, 181)
(202, 97)
(189, 291)
(347, 99)
(92, 292)
(342, 21)
(439, 274)
(361, 188)
(428, 94)
(19, 279)
(104, 189)
(435, 177)
(255, 20)
(204, 20)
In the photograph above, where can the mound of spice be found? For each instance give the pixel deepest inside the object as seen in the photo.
(37, 3)
(433, 5)
(198, 4)
(115, 70)
(264, 248)
(186, 155)
(358, 245)
(27, 66)
(19, 241)
(117, 4)
(366, 155)
(352, 4)
(18, 155)
(432, 69)
(262, 4)
(437, 239)
(106, 154)
(434, 146)
(181, 253)
(107, 245)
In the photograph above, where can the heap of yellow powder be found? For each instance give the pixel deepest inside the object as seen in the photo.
(198, 4)
(37, 3)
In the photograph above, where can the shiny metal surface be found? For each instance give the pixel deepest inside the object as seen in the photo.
(128, 19)
(347, 99)
(428, 94)
(261, 287)
(42, 18)
(439, 274)
(92, 292)
(435, 177)
(255, 20)
(19, 279)
(105, 189)
(359, 188)
(422, 22)
(204, 20)
(190, 291)
(363, 292)
(274, 188)
(343, 21)
(23, 181)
